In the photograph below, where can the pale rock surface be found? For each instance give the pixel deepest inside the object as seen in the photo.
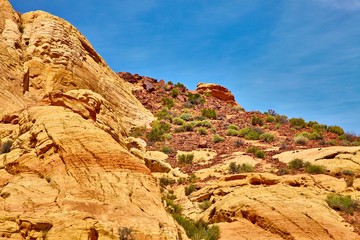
(335, 159)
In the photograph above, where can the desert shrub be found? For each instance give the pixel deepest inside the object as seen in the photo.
(348, 172)
(186, 116)
(240, 168)
(217, 138)
(167, 136)
(185, 158)
(137, 131)
(255, 120)
(297, 123)
(319, 127)
(314, 169)
(336, 129)
(172, 207)
(315, 136)
(267, 137)
(164, 113)
(270, 119)
(125, 233)
(197, 230)
(157, 131)
(250, 133)
(164, 181)
(202, 131)
(174, 92)
(252, 149)
(170, 83)
(178, 121)
(296, 164)
(203, 123)
(189, 189)
(204, 205)
(195, 99)
(233, 126)
(300, 140)
(260, 153)
(208, 113)
(186, 127)
(283, 145)
(168, 102)
(239, 143)
(342, 203)
(166, 150)
(6, 146)
(271, 112)
(179, 85)
(192, 178)
(232, 132)
(282, 119)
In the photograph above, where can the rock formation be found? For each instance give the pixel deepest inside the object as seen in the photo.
(69, 173)
(217, 91)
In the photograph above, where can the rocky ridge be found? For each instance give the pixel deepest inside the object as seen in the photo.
(272, 200)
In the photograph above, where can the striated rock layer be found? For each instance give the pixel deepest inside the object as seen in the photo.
(69, 173)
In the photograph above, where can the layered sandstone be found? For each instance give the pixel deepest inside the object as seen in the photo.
(69, 173)
(217, 91)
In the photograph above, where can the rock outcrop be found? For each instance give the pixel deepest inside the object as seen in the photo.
(69, 173)
(217, 91)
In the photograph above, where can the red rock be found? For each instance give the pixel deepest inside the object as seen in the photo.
(203, 144)
(148, 86)
(217, 91)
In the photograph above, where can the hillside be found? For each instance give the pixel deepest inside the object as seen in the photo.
(229, 153)
(86, 153)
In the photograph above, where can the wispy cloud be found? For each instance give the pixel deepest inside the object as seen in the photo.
(353, 5)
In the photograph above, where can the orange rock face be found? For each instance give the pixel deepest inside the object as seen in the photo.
(217, 91)
(69, 173)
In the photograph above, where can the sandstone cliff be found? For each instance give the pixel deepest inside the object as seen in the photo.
(69, 173)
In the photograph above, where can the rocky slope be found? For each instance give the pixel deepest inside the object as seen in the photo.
(274, 200)
(66, 171)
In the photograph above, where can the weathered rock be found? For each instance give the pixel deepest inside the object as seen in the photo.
(155, 161)
(217, 91)
(335, 159)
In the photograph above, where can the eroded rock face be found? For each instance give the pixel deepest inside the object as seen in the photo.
(265, 206)
(69, 173)
(217, 91)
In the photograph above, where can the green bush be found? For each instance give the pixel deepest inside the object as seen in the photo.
(240, 168)
(197, 230)
(255, 120)
(239, 143)
(270, 119)
(126, 233)
(186, 116)
(233, 126)
(164, 181)
(297, 123)
(260, 153)
(178, 121)
(6, 146)
(185, 158)
(296, 164)
(174, 92)
(168, 102)
(336, 129)
(166, 150)
(282, 119)
(158, 130)
(137, 131)
(300, 140)
(202, 131)
(348, 172)
(203, 123)
(342, 203)
(180, 85)
(208, 113)
(250, 133)
(204, 205)
(195, 99)
(189, 189)
(186, 127)
(314, 169)
(267, 137)
(164, 113)
(232, 132)
(252, 149)
(217, 138)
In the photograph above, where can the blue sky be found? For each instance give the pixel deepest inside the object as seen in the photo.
(298, 57)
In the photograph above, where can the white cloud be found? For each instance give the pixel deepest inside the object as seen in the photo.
(353, 5)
